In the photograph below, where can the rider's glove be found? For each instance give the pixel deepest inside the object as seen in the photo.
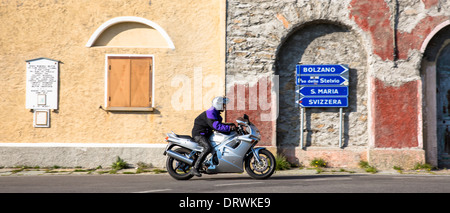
(232, 128)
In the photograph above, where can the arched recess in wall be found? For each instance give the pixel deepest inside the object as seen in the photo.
(322, 42)
(130, 31)
(434, 75)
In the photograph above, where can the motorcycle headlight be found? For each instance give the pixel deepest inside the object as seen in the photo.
(247, 129)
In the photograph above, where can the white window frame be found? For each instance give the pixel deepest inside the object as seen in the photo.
(138, 109)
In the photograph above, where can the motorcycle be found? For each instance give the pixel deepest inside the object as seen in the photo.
(231, 152)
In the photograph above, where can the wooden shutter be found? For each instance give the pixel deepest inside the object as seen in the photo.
(130, 82)
(119, 82)
(141, 82)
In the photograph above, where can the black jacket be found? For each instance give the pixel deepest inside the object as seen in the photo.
(207, 121)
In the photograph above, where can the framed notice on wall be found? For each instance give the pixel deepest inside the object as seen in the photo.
(41, 118)
(42, 84)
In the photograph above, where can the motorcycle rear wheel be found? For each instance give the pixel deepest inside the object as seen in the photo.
(178, 169)
(263, 169)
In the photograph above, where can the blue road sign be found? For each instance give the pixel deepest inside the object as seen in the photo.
(322, 85)
(333, 91)
(326, 69)
(321, 80)
(323, 102)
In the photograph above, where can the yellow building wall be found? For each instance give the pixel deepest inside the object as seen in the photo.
(59, 30)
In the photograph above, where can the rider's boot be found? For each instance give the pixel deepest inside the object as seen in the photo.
(194, 169)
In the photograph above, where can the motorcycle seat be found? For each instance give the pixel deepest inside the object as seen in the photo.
(185, 136)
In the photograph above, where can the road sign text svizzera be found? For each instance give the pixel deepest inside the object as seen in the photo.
(323, 102)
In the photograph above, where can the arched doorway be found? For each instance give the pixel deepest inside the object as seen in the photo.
(435, 73)
(322, 42)
(443, 106)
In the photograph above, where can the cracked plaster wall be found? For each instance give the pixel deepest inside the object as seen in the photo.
(379, 39)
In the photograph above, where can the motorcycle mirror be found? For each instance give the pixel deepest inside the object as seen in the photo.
(241, 121)
(246, 118)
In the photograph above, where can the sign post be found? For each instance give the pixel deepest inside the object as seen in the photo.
(322, 86)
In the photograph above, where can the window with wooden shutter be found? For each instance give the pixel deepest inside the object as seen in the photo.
(129, 83)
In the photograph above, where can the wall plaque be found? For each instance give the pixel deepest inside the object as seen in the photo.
(41, 118)
(42, 83)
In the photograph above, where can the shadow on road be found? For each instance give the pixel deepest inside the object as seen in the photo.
(308, 177)
(216, 177)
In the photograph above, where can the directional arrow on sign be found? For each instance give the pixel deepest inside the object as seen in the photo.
(323, 91)
(321, 80)
(326, 69)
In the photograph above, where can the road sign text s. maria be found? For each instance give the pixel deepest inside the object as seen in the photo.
(323, 91)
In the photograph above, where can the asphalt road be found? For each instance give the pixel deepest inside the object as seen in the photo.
(224, 192)
(226, 183)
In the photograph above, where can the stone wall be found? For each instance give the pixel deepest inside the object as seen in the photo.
(381, 41)
(266, 38)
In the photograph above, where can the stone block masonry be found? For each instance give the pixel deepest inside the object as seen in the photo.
(266, 39)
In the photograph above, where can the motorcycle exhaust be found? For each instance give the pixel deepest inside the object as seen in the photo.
(180, 157)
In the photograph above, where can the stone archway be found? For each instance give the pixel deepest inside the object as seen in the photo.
(434, 71)
(322, 42)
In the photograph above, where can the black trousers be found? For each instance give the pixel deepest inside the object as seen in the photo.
(207, 148)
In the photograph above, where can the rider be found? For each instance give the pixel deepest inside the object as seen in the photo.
(204, 124)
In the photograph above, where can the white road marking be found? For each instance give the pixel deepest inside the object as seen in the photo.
(235, 184)
(328, 179)
(155, 190)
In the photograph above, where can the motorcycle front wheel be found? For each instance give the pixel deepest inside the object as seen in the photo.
(262, 169)
(178, 169)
